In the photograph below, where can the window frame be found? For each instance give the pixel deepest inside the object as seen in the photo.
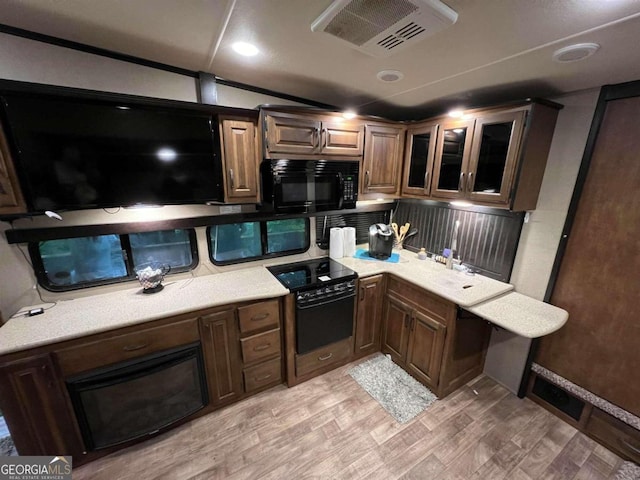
(263, 242)
(43, 279)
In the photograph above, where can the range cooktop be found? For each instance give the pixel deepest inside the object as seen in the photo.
(312, 273)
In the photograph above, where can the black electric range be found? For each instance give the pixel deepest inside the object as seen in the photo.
(324, 298)
(311, 274)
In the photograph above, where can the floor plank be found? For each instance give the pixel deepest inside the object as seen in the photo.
(331, 428)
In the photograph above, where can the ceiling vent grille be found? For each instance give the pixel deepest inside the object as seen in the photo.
(382, 27)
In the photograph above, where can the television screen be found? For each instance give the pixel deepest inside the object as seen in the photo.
(74, 153)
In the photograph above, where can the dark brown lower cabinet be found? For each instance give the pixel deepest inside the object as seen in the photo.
(439, 344)
(369, 315)
(35, 408)
(221, 346)
(414, 339)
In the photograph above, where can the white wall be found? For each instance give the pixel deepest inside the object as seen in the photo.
(541, 235)
(30, 61)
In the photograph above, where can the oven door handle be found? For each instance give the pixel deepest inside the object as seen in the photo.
(330, 300)
(340, 190)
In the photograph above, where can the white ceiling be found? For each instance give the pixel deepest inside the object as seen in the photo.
(498, 50)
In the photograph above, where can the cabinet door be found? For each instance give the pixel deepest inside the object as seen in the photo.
(451, 163)
(426, 343)
(288, 133)
(494, 155)
(419, 154)
(240, 160)
(382, 158)
(396, 318)
(11, 200)
(222, 356)
(34, 406)
(369, 315)
(342, 138)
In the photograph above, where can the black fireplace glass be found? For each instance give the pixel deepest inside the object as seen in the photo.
(138, 398)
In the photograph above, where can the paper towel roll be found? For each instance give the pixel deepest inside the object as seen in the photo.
(336, 243)
(349, 234)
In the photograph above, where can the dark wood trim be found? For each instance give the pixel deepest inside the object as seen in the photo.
(27, 235)
(103, 52)
(207, 88)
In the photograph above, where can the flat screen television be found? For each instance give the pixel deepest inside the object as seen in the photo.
(76, 153)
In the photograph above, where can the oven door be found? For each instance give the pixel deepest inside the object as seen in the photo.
(323, 321)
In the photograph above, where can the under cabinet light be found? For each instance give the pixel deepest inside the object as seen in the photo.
(461, 203)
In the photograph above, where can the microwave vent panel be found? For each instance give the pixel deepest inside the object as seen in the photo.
(381, 28)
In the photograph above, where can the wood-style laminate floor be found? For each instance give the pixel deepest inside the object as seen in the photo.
(330, 428)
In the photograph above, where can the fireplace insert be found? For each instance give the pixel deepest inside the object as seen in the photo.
(138, 397)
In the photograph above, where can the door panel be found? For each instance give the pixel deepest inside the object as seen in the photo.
(396, 332)
(425, 348)
(452, 159)
(598, 281)
(369, 315)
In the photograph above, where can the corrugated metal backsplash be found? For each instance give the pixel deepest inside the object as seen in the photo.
(487, 237)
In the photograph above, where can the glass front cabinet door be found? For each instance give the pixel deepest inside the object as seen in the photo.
(494, 156)
(420, 152)
(452, 159)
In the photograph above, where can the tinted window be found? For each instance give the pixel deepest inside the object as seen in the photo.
(240, 242)
(72, 263)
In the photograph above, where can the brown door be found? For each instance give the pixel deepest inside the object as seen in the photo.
(598, 280)
(222, 356)
(35, 408)
(369, 315)
(395, 337)
(240, 160)
(383, 147)
(451, 163)
(11, 200)
(342, 138)
(426, 342)
(494, 155)
(418, 162)
(288, 133)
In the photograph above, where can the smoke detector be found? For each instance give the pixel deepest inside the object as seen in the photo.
(381, 28)
(574, 53)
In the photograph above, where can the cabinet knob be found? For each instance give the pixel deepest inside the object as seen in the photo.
(259, 348)
(326, 357)
(257, 318)
(367, 179)
(426, 182)
(131, 348)
(470, 182)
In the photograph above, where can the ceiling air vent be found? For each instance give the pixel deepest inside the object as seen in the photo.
(383, 27)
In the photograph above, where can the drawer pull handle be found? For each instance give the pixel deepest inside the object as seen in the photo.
(131, 348)
(626, 444)
(326, 357)
(263, 378)
(257, 318)
(261, 347)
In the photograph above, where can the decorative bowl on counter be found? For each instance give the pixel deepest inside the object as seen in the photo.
(150, 277)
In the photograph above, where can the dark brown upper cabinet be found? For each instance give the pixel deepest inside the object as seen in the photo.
(495, 158)
(309, 136)
(418, 163)
(11, 199)
(381, 165)
(240, 159)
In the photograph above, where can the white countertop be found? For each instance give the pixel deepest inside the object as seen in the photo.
(434, 277)
(85, 316)
(523, 315)
(98, 313)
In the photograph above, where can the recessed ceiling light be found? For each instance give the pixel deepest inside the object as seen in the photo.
(349, 114)
(389, 76)
(457, 113)
(573, 53)
(244, 48)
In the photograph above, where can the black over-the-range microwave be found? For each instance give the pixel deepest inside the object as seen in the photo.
(292, 186)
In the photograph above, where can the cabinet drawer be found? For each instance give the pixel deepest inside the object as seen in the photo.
(324, 356)
(258, 316)
(124, 347)
(266, 373)
(260, 346)
(436, 306)
(616, 434)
